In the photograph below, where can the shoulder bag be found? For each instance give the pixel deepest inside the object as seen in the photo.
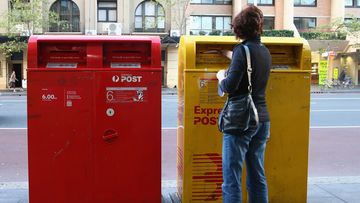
(239, 112)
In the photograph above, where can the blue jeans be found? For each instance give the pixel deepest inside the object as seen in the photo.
(249, 147)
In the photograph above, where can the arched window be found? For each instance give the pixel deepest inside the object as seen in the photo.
(150, 17)
(69, 16)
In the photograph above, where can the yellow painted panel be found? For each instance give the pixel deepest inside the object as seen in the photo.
(200, 143)
(286, 159)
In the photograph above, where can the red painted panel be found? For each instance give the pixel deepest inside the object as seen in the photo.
(94, 132)
(131, 159)
(59, 136)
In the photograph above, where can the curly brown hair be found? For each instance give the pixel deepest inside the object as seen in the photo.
(248, 24)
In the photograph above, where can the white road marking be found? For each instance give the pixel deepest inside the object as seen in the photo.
(13, 185)
(169, 128)
(13, 128)
(335, 110)
(341, 98)
(334, 127)
(13, 101)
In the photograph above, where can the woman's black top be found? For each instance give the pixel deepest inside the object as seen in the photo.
(236, 82)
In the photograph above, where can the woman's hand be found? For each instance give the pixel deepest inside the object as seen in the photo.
(227, 53)
(220, 75)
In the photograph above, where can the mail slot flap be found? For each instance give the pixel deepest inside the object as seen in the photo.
(210, 53)
(62, 55)
(285, 55)
(202, 52)
(93, 52)
(127, 54)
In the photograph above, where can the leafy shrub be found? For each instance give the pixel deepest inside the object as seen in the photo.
(228, 33)
(323, 35)
(215, 33)
(278, 33)
(202, 32)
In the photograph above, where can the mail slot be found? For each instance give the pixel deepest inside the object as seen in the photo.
(94, 119)
(127, 54)
(199, 143)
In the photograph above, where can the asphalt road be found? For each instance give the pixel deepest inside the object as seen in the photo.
(334, 137)
(326, 110)
(335, 110)
(13, 112)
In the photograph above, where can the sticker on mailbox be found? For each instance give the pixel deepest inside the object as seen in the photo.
(72, 97)
(126, 94)
(50, 96)
(208, 88)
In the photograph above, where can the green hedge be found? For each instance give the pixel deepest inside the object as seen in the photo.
(215, 33)
(323, 35)
(228, 33)
(278, 33)
(267, 33)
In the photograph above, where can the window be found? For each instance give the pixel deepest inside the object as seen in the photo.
(269, 23)
(69, 16)
(210, 1)
(350, 21)
(352, 3)
(303, 24)
(107, 11)
(305, 2)
(262, 2)
(213, 25)
(150, 17)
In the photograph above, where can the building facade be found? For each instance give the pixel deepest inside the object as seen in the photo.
(171, 18)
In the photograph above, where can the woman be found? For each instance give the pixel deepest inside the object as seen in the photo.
(250, 145)
(12, 80)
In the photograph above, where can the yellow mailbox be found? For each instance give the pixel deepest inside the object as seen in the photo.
(199, 165)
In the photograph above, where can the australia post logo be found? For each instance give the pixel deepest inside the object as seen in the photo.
(128, 78)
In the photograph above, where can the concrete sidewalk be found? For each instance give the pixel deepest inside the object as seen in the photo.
(18, 92)
(319, 89)
(317, 193)
(344, 191)
(173, 91)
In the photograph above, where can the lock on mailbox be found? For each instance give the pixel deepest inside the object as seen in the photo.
(199, 141)
(94, 119)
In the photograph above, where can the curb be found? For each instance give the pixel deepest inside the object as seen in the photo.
(169, 91)
(174, 92)
(338, 91)
(13, 93)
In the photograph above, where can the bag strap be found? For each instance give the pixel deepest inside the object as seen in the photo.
(249, 68)
(249, 71)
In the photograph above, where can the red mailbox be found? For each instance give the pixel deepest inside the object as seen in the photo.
(94, 119)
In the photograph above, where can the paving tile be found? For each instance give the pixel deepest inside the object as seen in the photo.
(315, 191)
(350, 193)
(323, 200)
(14, 196)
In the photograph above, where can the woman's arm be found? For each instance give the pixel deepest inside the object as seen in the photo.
(236, 71)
